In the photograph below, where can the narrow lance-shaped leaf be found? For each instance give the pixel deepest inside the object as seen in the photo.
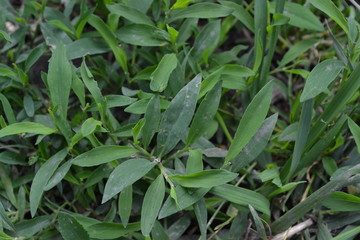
(204, 179)
(125, 204)
(201, 10)
(177, 116)
(302, 136)
(9, 113)
(143, 35)
(130, 13)
(59, 80)
(25, 127)
(256, 145)
(258, 223)
(103, 154)
(42, 177)
(206, 112)
(58, 175)
(296, 50)
(320, 78)
(110, 38)
(328, 7)
(153, 199)
(152, 120)
(126, 174)
(93, 87)
(111, 230)
(7, 185)
(160, 77)
(300, 16)
(242, 197)
(251, 121)
(340, 201)
(201, 216)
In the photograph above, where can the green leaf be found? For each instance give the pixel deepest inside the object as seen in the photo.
(201, 10)
(151, 205)
(126, 174)
(28, 228)
(210, 81)
(241, 14)
(328, 7)
(251, 121)
(300, 16)
(70, 228)
(201, 216)
(207, 40)
(103, 154)
(5, 36)
(320, 78)
(296, 50)
(256, 145)
(340, 201)
(78, 87)
(59, 80)
(42, 177)
(4, 236)
(86, 46)
(243, 197)
(355, 130)
(130, 13)
(348, 234)
(178, 116)
(89, 126)
(4, 217)
(58, 175)
(140, 106)
(29, 105)
(125, 204)
(258, 223)
(302, 137)
(152, 120)
(7, 185)
(206, 112)
(285, 188)
(34, 56)
(111, 230)
(25, 127)
(111, 40)
(160, 77)
(9, 113)
(143, 35)
(93, 87)
(204, 179)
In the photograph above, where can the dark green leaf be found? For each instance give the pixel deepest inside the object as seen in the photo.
(126, 174)
(178, 116)
(204, 179)
(103, 154)
(151, 205)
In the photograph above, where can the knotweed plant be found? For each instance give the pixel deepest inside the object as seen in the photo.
(186, 119)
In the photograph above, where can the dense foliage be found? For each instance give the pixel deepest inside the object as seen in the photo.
(165, 120)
